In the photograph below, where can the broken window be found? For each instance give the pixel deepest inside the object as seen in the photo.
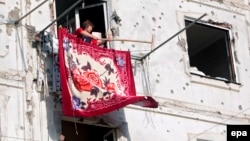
(210, 52)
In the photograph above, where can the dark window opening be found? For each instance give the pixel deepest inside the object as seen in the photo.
(210, 52)
(86, 132)
(93, 10)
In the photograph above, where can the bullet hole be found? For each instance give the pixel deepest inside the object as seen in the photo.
(137, 23)
(240, 107)
(234, 16)
(7, 46)
(246, 70)
(159, 27)
(153, 29)
(187, 84)
(134, 25)
(212, 13)
(143, 7)
(160, 18)
(153, 18)
(0, 30)
(40, 12)
(17, 3)
(172, 91)
(158, 75)
(247, 22)
(180, 6)
(236, 35)
(2, 16)
(201, 101)
(21, 127)
(157, 81)
(162, 13)
(222, 103)
(133, 45)
(143, 17)
(168, 131)
(183, 88)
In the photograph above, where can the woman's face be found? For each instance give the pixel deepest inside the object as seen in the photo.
(89, 29)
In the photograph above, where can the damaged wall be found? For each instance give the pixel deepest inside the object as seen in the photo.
(191, 107)
(24, 113)
(184, 98)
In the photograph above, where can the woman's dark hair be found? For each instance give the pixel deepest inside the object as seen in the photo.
(87, 23)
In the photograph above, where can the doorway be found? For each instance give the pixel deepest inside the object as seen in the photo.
(85, 132)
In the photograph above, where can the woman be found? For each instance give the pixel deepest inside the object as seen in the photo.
(85, 34)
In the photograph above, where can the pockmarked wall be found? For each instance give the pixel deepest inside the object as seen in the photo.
(27, 111)
(191, 107)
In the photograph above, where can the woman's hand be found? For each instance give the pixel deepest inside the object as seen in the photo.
(62, 137)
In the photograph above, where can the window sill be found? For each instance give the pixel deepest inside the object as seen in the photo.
(215, 82)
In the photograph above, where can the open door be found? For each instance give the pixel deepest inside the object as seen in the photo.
(97, 14)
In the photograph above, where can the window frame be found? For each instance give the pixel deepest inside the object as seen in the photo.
(229, 50)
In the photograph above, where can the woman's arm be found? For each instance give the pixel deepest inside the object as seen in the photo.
(85, 33)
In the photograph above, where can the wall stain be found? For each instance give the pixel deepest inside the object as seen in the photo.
(31, 32)
(13, 15)
(182, 43)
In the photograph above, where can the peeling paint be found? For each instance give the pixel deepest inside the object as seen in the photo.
(14, 14)
(222, 24)
(31, 32)
(9, 29)
(182, 43)
(10, 75)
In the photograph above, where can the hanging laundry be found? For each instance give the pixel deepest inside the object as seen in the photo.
(95, 80)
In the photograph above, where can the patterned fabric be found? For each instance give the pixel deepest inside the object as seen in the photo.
(95, 80)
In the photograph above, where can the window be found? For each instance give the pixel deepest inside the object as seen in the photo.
(210, 51)
(94, 10)
(86, 132)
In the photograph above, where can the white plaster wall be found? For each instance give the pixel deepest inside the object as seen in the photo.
(204, 105)
(27, 111)
(189, 107)
(168, 67)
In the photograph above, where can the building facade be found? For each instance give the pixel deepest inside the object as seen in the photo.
(192, 56)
